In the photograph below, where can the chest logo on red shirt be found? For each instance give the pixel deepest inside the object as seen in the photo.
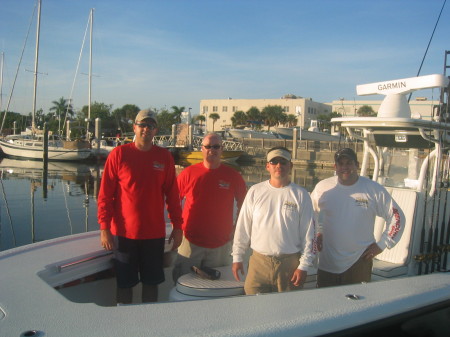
(223, 184)
(158, 166)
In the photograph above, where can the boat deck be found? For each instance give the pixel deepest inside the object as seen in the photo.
(28, 302)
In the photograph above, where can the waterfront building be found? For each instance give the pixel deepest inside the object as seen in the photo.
(305, 109)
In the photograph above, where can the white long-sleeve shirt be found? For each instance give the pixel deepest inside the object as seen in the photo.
(275, 221)
(346, 216)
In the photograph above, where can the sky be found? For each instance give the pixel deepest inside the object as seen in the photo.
(163, 53)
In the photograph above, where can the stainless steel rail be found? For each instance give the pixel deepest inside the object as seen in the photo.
(60, 268)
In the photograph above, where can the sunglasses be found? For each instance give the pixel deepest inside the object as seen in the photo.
(215, 147)
(146, 125)
(278, 161)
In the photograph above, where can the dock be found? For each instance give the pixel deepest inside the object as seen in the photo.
(319, 154)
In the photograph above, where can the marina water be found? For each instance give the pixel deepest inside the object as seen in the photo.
(36, 207)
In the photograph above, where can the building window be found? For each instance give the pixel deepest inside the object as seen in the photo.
(215, 108)
(235, 108)
(286, 109)
(205, 109)
(224, 109)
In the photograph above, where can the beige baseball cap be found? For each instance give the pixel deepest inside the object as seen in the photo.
(145, 114)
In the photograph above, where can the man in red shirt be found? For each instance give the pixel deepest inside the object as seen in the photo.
(138, 179)
(210, 190)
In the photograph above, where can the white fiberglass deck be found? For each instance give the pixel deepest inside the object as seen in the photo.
(28, 302)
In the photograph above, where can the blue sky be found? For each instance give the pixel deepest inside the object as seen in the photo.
(159, 53)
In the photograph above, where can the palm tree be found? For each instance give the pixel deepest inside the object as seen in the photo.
(273, 115)
(200, 119)
(125, 114)
(176, 111)
(214, 116)
(291, 120)
(254, 116)
(239, 118)
(60, 107)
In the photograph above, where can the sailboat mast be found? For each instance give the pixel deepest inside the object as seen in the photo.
(36, 62)
(1, 80)
(91, 18)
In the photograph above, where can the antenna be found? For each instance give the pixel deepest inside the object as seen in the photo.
(395, 103)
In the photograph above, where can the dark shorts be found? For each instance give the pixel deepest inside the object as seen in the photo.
(138, 261)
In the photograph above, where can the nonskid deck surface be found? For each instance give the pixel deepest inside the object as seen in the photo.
(322, 310)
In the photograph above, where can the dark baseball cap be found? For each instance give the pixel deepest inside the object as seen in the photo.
(345, 152)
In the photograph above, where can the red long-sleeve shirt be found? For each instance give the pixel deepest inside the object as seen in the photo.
(135, 186)
(210, 195)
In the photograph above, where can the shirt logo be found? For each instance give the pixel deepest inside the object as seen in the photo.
(224, 185)
(361, 202)
(290, 206)
(158, 166)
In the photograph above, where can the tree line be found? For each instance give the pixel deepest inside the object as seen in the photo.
(120, 120)
(113, 121)
(274, 115)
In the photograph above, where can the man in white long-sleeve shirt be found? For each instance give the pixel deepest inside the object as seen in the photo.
(276, 222)
(347, 205)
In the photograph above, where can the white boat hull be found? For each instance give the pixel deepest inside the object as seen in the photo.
(29, 301)
(242, 133)
(101, 151)
(288, 133)
(57, 153)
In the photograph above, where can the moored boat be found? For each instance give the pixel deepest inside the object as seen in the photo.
(36, 168)
(312, 133)
(31, 145)
(250, 133)
(196, 155)
(58, 150)
(101, 149)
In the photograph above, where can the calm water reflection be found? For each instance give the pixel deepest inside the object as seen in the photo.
(35, 208)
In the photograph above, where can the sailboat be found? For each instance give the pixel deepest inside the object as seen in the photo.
(100, 148)
(30, 144)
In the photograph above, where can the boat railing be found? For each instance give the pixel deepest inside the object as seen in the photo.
(74, 263)
(77, 270)
(164, 140)
(228, 145)
(260, 146)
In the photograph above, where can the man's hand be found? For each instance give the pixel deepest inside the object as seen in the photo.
(176, 236)
(299, 277)
(372, 251)
(236, 268)
(106, 239)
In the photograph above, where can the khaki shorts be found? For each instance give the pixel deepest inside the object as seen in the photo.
(360, 271)
(271, 273)
(191, 255)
